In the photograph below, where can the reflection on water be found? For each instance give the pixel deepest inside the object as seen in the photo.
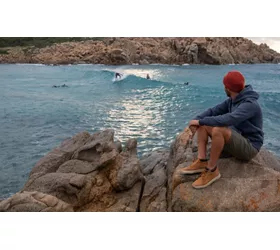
(141, 117)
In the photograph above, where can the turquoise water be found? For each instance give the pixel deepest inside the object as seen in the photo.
(35, 118)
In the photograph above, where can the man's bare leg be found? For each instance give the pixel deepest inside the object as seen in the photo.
(203, 133)
(220, 135)
(209, 170)
(200, 164)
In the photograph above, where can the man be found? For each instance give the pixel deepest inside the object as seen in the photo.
(118, 75)
(235, 127)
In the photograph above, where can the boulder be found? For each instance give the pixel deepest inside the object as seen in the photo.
(125, 171)
(86, 172)
(193, 53)
(200, 41)
(144, 61)
(94, 173)
(154, 168)
(51, 162)
(244, 186)
(34, 202)
(70, 187)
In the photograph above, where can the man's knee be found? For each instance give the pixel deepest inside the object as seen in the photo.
(206, 128)
(224, 131)
(217, 131)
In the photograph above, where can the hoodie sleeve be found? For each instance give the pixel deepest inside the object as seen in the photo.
(220, 109)
(243, 112)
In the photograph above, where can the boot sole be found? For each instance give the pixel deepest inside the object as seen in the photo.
(209, 183)
(198, 171)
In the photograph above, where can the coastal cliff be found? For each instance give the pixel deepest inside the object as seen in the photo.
(96, 173)
(120, 51)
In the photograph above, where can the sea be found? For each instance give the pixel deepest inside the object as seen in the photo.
(36, 117)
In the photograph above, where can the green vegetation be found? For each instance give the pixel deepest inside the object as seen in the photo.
(3, 52)
(40, 42)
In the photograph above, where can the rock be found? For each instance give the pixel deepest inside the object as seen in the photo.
(125, 171)
(95, 170)
(51, 162)
(118, 56)
(125, 201)
(69, 187)
(226, 57)
(34, 202)
(77, 166)
(154, 167)
(252, 186)
(276, 60)
(93, 173)
(154, 196)
(200, 41)
(176, 45)
(144, 61)
(157, 159)
(78, 181)
(126, 50)
(249, 186)
(99, 150)
(193, 53)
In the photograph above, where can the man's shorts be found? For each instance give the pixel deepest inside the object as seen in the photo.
(239, 147)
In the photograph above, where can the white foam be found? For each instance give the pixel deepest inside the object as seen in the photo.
(120, 79)
(33, 64)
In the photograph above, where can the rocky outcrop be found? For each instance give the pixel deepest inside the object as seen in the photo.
(244, 186)
(95, 173)
(88, 172)
(119, 51)
(252, 186)
(34, 202)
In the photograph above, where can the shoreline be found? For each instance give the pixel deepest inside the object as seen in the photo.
(145, 51)
(135, 64)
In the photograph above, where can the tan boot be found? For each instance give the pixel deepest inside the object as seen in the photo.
(207, 178)
(196, 167)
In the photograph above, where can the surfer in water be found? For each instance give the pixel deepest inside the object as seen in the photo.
(118, 75)
(148, 76)
(186, 83)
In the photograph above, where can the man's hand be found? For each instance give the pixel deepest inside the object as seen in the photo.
(194, 123)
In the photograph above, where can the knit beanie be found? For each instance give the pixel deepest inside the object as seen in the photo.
(234, 81)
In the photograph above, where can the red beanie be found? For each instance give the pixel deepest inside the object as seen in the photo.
(234, 81)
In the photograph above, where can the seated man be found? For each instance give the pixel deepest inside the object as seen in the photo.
(235, 127)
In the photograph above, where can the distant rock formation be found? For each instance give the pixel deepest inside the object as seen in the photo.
(117, 51)
(95, 173)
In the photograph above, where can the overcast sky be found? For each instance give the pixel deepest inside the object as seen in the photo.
(272, 42)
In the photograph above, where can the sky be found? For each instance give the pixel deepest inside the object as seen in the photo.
(272, 42)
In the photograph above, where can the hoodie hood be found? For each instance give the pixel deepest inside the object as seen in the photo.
(247, 93)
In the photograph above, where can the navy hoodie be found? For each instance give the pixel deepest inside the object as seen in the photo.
(242, 114)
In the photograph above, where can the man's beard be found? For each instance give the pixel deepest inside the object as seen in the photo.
(227, 93)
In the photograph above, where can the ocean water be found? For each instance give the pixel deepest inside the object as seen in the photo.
(35, 118)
